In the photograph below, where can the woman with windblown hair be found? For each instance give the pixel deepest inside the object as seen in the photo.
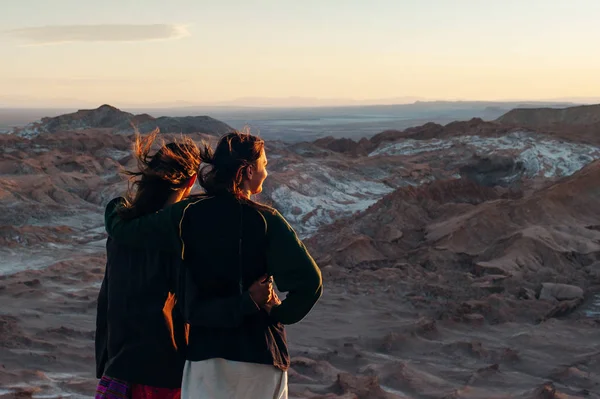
(140, 332)
(226, 241)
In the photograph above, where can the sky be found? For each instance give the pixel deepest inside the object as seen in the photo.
(180, 52)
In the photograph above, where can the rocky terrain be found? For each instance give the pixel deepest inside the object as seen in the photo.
(316, 183)
(460, 261)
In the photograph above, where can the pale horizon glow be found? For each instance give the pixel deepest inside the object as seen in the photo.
(188, 52)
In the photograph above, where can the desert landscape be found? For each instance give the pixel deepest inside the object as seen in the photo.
(459, 260)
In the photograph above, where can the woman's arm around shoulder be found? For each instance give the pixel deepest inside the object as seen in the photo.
(159, 230)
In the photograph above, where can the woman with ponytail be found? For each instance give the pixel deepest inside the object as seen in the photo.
(226, 241)
(140, 331)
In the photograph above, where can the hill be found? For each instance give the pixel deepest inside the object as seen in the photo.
(109, 117)
(535, 117)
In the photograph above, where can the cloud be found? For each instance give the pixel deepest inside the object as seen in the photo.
(44, 35)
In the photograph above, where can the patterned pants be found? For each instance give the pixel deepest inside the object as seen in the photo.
(111, 388)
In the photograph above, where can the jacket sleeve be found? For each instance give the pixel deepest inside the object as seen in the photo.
(159, 230)
(294, 271)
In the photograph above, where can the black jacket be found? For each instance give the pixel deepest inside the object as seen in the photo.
(206, 232)
(139, 329)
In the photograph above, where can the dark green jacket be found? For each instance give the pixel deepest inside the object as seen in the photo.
(206, 232)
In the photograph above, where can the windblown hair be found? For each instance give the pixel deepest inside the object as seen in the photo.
(158, 175)
(225, 166)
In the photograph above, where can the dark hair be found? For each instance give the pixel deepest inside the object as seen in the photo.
(225, 166)
(158, 175)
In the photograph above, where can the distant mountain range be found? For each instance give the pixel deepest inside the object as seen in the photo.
(302, 124)
(272, 102)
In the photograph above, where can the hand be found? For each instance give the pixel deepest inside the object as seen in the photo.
(274, 301)
(261, 291)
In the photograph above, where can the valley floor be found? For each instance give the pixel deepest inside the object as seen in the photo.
(367, 337)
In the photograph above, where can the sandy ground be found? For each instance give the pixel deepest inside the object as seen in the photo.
(364, 339)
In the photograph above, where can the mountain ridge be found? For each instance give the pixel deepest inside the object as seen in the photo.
(121, 122)
(578, 115)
